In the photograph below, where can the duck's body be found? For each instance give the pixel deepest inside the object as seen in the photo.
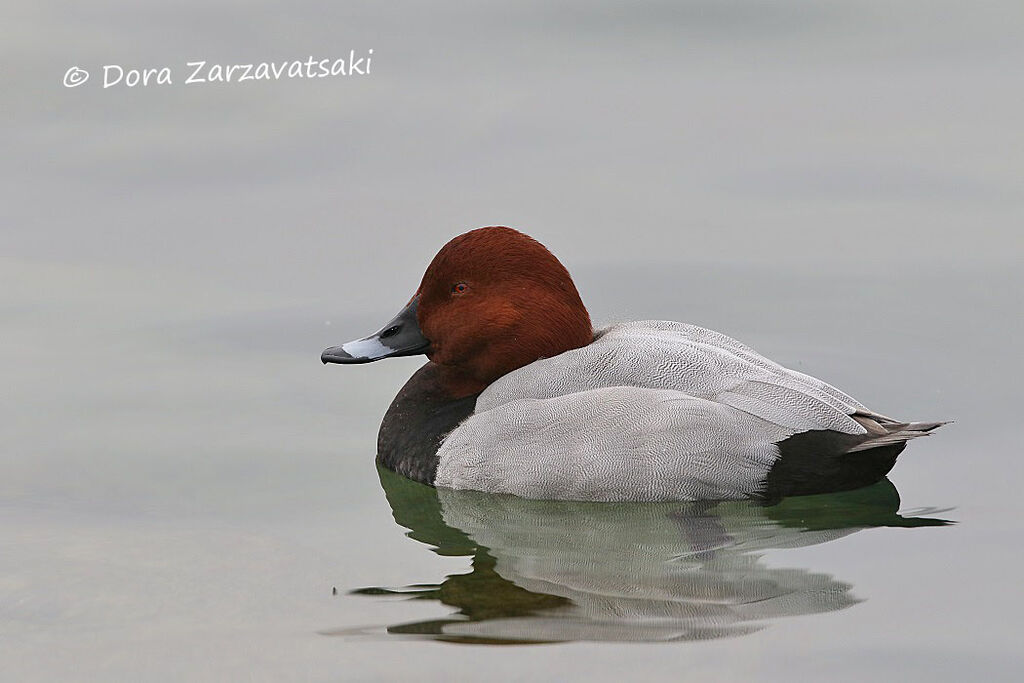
(640, 411)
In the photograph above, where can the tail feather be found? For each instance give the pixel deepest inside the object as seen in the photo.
(926, 426)
(885, 432)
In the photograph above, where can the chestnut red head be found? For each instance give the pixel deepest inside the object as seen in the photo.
(492, 300)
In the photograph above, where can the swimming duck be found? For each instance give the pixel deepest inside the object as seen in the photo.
(520, 395)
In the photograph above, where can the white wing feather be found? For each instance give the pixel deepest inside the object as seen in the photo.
(686, 358)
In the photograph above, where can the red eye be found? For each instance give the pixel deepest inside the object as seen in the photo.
(460, 288)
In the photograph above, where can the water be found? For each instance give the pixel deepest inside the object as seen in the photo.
(188, 494)
(555, 571)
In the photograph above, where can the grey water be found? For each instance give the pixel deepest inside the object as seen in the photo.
(187, 493)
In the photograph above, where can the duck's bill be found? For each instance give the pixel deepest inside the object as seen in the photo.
(399, 337)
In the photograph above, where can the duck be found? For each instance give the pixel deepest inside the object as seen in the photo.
(521, 395)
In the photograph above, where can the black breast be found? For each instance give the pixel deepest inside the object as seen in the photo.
(418, 419)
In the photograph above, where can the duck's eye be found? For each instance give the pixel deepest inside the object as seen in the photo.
(460, 288)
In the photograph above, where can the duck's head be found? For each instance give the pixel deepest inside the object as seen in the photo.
(491, 301)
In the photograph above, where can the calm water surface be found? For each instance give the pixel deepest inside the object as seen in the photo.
(557, 571)
(188, 494)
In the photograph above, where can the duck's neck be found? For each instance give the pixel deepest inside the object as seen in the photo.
(458, 383)
(470, 374)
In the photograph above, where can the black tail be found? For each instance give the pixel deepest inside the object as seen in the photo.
(823, 461)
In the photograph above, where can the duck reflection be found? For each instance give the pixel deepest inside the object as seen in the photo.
(555, 571)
